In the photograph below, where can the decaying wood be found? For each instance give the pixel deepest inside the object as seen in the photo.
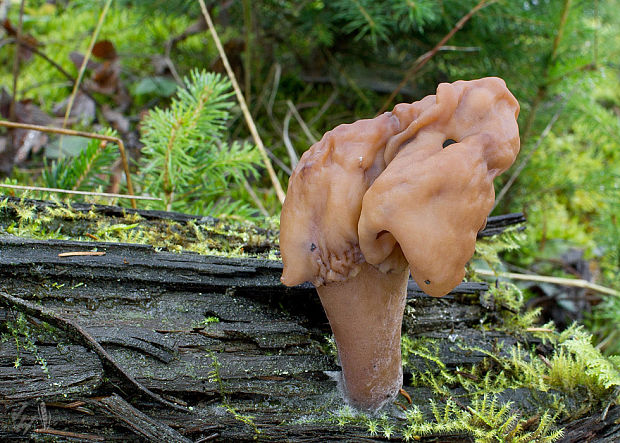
(140, 423)
(600, 428)
(244, 356)
(83, 337)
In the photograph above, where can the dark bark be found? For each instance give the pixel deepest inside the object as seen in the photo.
(600, 427)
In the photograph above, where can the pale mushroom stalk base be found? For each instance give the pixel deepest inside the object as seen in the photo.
(365, 314)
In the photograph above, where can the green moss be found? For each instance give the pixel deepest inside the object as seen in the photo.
(216, 377)
(25, 335)
(202, 236)
(68, 30)
(207, 321)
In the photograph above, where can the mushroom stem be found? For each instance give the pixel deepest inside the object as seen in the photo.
(365, 314)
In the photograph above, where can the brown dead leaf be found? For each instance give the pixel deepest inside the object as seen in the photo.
(116, 119)
(78, 59)
(28, 40)
(25, 110)
(104, 49)
(106, 78)
(21, 142)
(84, 108)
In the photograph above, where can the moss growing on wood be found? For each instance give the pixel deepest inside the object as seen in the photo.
(205, 236)
(24, 335)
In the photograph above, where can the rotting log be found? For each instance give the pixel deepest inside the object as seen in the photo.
(228, 352)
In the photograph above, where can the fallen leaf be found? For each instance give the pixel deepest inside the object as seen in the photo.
(21, 142)
(84, 108)
(116, 119)
(104, 49)
(78, 59)
(105, 79)
(25, 110)
(28, 141)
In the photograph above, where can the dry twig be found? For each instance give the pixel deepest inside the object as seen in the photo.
(109, 138)
(578, 283)
(69, 435)
(78, 80)
(45, 57)
(311, 137)
(287, 140)
(81, 254)
(424, 58)
(70, 191)
(243, 105)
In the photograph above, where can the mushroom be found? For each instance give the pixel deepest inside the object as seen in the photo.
(374, 200)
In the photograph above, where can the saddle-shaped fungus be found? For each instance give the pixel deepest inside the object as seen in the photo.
(406, 191)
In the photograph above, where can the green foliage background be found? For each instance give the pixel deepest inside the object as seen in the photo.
(338, 61)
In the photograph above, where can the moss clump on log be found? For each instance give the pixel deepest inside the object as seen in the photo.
(166, 231)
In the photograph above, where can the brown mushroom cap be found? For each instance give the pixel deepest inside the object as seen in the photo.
(318, 236)
(432, 201)
(367, 187)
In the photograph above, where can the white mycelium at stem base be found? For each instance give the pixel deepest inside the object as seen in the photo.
(409, 189)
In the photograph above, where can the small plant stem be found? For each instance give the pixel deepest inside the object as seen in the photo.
(311, 137)
(425, 58)
(102, 145)
(287, 141)
(168, 186)
(45, 57)
(118, 141)
(274, 90)
(16, 60)
(78, 80)
(330, 100)
(167, 183)
(70, 191)
(243, 105)
(578, 283)
(247, 25)
(257, 201)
